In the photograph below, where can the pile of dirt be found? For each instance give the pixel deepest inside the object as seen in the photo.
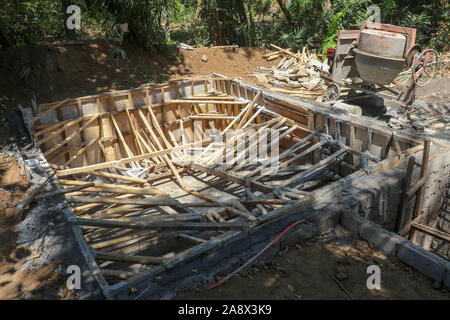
(307, 271)
(17, 282)
(54, 72)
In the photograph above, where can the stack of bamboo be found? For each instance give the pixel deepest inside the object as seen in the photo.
(297, 74)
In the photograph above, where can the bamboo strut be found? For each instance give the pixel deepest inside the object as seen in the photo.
(285, 154)
(231, 124)
(205, 102)
(81, 151)
(106, 256)
(121, 239)
(217, 155)
(58, 131)
(116, 187)
(114, 163)
(264, 148)
(151, 202)
(41, 115)
(80, 210)
(321, 163)
(117, 176)
(49, 128)
(242, 143)
(69, 138)
(122, 140)
(159, 225)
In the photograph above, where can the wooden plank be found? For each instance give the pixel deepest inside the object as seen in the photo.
(405, 198)
(421, 191)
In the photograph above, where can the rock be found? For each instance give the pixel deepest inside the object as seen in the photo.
(437, 285)
(205, 58)
(341, 268)
(341, 276)
(418, 127)
(348, 107)
(185, 46)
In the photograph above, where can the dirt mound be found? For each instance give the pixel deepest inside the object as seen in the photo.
(55, 72)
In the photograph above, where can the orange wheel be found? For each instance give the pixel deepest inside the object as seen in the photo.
(425, 67)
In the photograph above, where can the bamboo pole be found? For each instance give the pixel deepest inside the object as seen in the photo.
(41, 115)
(69, 138)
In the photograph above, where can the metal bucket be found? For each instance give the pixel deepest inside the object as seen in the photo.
(377, 69)
(382, 43)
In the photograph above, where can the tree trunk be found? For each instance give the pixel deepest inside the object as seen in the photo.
(69, 34)
(197, 9)
(5, 41)
(285, 10)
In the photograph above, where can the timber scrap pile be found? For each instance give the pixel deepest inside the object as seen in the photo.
(297, 74)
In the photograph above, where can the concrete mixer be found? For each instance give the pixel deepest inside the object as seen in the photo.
(367, 61)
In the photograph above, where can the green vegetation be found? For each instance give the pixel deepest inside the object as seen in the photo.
(158, 24)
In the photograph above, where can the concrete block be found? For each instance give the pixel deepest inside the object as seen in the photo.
(326, 221)
(420, 259)
(301, 233)
(383, 239)
(351, 221)
(447, 278)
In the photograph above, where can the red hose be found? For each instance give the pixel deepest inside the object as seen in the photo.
(255, 256)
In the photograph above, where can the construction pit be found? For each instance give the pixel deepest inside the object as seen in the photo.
(169, 184)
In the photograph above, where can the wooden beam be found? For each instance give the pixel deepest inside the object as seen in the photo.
(230, 177)
(205, 102)
(159, 225)
(69, 138)
(116, 176)
(112, 187)
(421, 191)
(41, 115)
(150, 202)
(441, 235)
(405, 197)
(114, 163)
(107, 256)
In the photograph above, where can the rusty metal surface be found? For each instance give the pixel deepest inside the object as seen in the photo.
(382, 43)
(377, 69)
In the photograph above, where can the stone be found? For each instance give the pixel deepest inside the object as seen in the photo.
(384, 240)
(420, 259)
(437, 285)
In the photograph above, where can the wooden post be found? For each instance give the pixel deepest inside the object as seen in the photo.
(423, 173)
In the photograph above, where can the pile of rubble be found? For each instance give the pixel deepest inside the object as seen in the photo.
(297, 74)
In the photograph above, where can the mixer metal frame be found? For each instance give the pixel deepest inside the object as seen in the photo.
(344, 67)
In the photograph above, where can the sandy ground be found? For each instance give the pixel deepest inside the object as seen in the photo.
(306, 272)
(16, 282)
